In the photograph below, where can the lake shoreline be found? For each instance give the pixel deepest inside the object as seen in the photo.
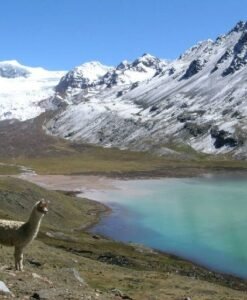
(197, 271)
(208, 272)
(203, 272)
(178, 172)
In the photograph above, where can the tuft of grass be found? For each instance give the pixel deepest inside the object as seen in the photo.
(97, 160)
(9, 170)
(93, 160)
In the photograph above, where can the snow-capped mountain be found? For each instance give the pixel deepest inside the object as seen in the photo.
(93, 78)
(22, 88)
(142, 68)
(81, 77)
(198, 99)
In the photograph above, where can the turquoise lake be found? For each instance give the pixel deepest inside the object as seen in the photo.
(200, 219)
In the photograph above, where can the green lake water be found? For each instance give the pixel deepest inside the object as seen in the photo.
(200, 219)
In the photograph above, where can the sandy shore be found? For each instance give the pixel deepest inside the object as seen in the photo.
(76, 183)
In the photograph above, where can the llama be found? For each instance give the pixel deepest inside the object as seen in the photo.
(20, 234)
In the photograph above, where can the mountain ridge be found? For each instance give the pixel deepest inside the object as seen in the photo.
(197, 99)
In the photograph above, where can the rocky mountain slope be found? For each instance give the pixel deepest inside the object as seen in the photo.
(197, 100)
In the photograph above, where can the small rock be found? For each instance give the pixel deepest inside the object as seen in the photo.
(187, 298)
(120, 294)
(44, 279)
(117, 292)
(35, 296)
(47, 294)
(96, 237)
(77, 276)
(4, 289)
(34, 263)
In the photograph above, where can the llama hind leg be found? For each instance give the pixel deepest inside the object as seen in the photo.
(18, 259)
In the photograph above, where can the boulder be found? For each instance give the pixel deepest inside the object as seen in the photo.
(196, 129)
(4, 290)
(223, 138)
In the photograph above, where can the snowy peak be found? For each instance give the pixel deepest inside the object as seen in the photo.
(143, 68)
(91, 70)
(240, 26)
(149, 61)
(94, 74)
(82, 77)
(197, 50)
(12, 69)
(124, 65)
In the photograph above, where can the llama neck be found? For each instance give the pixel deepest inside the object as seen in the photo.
(34, 221)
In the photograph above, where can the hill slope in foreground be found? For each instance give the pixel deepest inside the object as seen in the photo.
(66, 262)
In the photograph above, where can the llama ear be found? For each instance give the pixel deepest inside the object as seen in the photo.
(43, 202)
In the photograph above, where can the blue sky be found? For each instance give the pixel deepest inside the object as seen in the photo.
(59, 34)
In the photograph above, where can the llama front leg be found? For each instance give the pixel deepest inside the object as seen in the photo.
(18, 259)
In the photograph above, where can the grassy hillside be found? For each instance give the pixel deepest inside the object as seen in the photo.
(66, 262)
(114, 162)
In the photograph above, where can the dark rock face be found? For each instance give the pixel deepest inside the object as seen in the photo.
(119, 94)
(153, 108)
(168, 72)
(123, 66)
(194, 67)
(134, 85)
(110, 78)
(240, 55)
(223, 58)
(241, 25)
(223, 138)
(53, 103)
(236, 114)
(227, 111)
(190, 115)
(71, 80)
(196, 129)
(183, 117)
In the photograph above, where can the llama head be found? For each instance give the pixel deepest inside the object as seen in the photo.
(42, 206)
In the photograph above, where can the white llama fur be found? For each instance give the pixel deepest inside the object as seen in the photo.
(20, 234)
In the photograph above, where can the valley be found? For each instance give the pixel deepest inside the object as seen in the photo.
(145, 119)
